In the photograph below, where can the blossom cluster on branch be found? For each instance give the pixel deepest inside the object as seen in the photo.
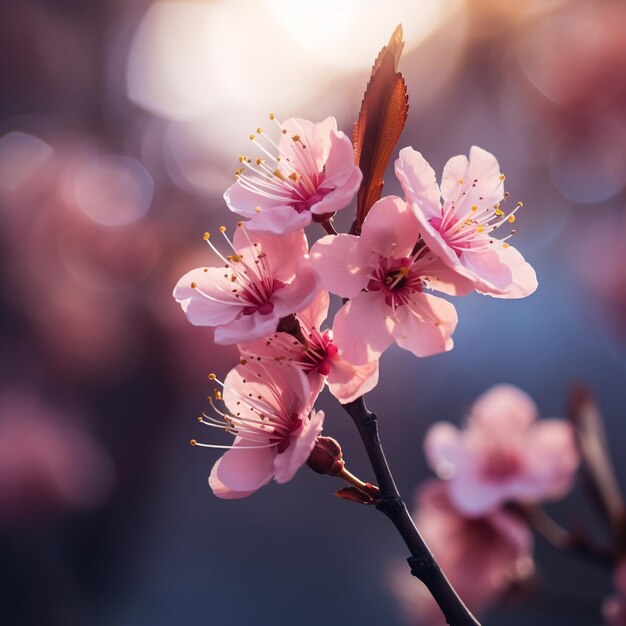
(270, 295)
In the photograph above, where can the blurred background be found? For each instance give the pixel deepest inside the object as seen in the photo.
(120, 126)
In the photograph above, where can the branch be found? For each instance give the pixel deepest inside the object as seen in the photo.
(422, 562)
(575, 542)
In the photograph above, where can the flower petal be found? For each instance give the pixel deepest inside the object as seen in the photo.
(340, 167)
(316, 312)
(523, 276)
(418, 181)
(473, 181)
(264, 380)
(390, 228)
(443, 448)
(246, 328)
(298, 294)
(505, 408)
(245, 202)
(281, 253)
(425, 325)
(362, 328)
(339, 263)
(443, 278)
(341, 196)
(211, 301)
(242, 469)
(296, 455)
(347, 382)
(278, 220)
(552, 458)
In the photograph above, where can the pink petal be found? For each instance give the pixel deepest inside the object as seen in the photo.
(339, 197)
(425, 325)
(491, 275)
(443, 448)
(340, 264)
(504, 408)
(474, 496)
(315, 314)
(296, 455)
(242, 469)
(390, 228)
(418, 181)
(281, 252)
(209, 304)
(437, 243)
(246, 328)
(316, 138)
(362, 328)
(443, 278)
(340, 165)
(244, 202)
(552, 458)
(262, 379)
(279, 220)
(524, 278)
(298, 294)
(347, 382)
(320, 139)
(481, 167)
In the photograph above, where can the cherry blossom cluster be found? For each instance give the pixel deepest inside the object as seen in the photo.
(269, 294)
(492, 475)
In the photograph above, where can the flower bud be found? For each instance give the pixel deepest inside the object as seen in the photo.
(326, 457)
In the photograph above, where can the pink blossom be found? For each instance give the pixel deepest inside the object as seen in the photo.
(482, 556)
(265, 278)
(386, 262)
(614, 608)
(317, 354)
(460, 230)
(503, 454)
(309, 174)
(270, 412)
(46, 461)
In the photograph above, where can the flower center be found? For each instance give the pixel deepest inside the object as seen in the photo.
(320, 352)
(286, 173)
(468, 227)
(398, 280)
(260, 419)
(500, 465)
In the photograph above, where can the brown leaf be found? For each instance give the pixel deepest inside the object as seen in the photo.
(354, 495)
(379, 125)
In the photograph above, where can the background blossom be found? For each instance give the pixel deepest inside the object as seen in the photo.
(503, 454)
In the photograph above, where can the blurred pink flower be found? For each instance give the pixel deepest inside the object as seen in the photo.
(383, 260)
(46, 462)
(482, 556)
(270, 412)
(460, 231)
(311, 175)
(319, 357)
(614, 608)
(503, 454)
(266, 278)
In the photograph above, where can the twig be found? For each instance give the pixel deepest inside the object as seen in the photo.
(422, 562)
(562, 539)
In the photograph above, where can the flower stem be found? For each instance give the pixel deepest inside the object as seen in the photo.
(422, 562)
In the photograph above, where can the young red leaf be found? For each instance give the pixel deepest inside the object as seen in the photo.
(379, 125)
